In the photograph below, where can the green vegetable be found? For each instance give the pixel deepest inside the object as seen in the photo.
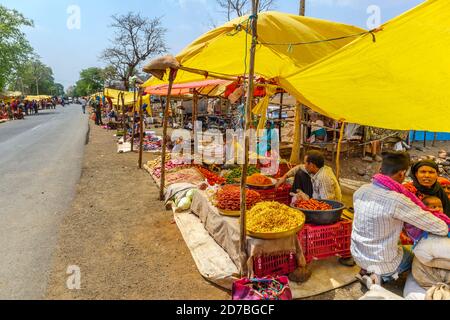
(185, 204)
(237, 174)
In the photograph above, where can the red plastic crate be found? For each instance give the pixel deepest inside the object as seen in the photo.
(274, 265)
(281, 195)
(322, 242)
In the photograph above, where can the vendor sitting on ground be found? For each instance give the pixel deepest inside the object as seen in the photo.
(424, 175)
(381, 210)
(314, 179)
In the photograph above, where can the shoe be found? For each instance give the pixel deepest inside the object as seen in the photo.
(348, 262)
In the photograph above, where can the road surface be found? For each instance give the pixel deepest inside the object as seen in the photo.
(40, 165)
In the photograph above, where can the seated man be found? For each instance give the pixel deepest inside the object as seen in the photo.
(381, 210)
(314, 179)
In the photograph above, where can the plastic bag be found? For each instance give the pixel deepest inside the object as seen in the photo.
(262, 289)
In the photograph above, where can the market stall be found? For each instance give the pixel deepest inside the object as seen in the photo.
(191, 65)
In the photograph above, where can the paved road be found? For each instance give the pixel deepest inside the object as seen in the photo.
(40, 165)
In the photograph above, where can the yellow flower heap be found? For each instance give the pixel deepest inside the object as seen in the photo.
(273, 217)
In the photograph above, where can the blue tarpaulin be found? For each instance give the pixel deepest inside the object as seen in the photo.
(430, 136)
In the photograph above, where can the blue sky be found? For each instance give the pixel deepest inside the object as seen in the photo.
(69, 51)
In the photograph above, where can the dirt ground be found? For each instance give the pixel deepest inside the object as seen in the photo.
(125, 242)
(121, 236)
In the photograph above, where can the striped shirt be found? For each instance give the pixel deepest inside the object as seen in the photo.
(325, 183)
(378, 222)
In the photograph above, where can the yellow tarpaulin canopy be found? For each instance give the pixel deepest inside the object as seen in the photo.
(37, 98)
(128, 98)
(223, 50)
(401, 81)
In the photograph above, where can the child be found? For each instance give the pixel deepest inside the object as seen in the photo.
(434, 203)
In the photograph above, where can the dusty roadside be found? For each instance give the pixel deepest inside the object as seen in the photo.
(121, 237)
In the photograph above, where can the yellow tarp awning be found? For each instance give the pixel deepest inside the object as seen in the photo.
(401, 81)
(128, 98)
(223, 50)
(37, 98)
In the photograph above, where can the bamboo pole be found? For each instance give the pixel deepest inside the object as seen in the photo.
(295, 155)
(247, 120)
(172, 76)
(134, 119)
(280, 117)
(434, 139)
(141, 129)
(302, 7)
(124, 115)
(338, 156)
(424, 139)
(194, 108)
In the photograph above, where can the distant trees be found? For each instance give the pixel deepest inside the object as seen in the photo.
(35, 78)
(137, 39)
(14, 47)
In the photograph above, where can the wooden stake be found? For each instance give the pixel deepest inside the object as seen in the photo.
(434, 139)
(247, 120)
(124, 114)
(141, 128)
(194, 108)
(338, 156)
(134, 120)
(302, 7)
(280, 117)
(295, 155)
(172, 76)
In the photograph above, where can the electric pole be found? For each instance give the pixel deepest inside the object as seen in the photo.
(302, 7)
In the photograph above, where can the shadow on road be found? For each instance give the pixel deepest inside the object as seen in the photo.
(41, 114)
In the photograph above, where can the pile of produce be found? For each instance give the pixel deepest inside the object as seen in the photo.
(259, 180)
(190, 175)
(184, 201)
(313, 205)
(157, 162)
(273, 217)
(229, 198)
(235, 175)
(212, 178)
(170, 166)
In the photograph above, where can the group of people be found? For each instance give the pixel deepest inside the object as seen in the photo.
(392, 219)
(17, 109)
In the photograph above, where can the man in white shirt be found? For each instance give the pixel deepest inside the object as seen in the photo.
(314, 178)
(379, 218)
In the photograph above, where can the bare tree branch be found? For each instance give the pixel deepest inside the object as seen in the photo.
(239, 8)
(136, 39)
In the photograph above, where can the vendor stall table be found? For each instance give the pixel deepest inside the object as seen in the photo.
(225, 231)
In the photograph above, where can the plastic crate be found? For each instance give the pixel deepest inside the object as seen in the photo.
(281, 195)
(322, 242)
(274, 265)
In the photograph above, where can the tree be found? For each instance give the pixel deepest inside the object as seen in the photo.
(14, 47)
(239, 8)
(34, 77)
(137, 39)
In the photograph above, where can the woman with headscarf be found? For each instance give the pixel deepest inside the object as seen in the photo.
(425, 183)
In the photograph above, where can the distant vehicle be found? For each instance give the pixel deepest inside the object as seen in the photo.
(70, 100)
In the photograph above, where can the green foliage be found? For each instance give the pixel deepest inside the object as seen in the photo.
(33, 77)
(14, 47)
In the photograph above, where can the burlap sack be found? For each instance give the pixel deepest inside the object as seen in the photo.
(434, 252)
(428, 277)
(158, 67)
(438, 292)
